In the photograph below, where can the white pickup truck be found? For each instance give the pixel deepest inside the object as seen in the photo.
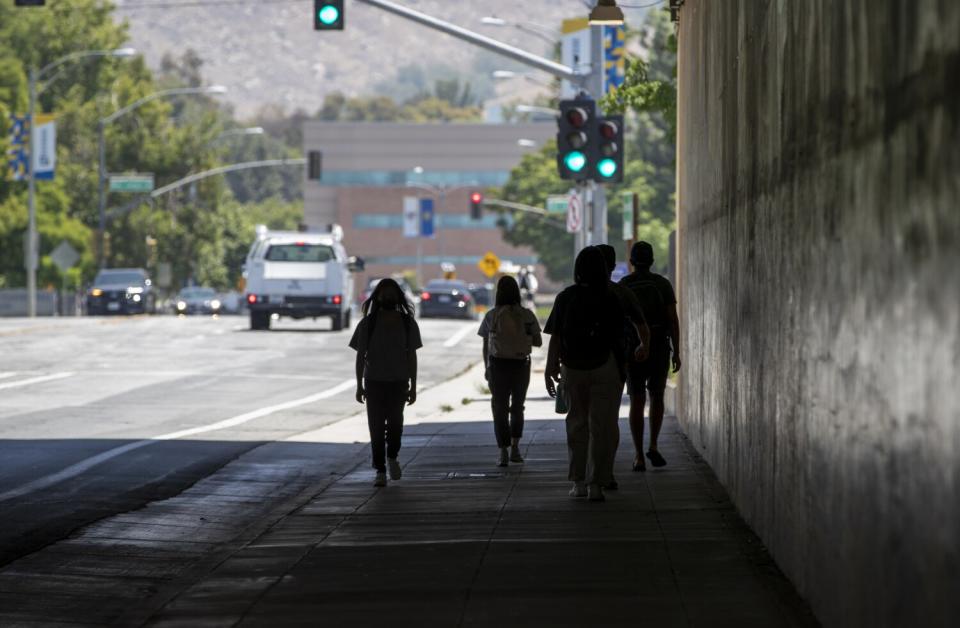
(300, 275)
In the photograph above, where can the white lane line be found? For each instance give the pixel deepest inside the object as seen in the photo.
(85, 465)
(35, 380)
(455, 339)
(7, 375)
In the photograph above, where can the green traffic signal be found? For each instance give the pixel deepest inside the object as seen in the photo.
(329, 15)
(575, 161)
(607, 168)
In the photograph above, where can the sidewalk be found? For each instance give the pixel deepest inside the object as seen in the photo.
(460, 542)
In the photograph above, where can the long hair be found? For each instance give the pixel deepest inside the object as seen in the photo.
(590, 269)
(373, 304)
(508, 291)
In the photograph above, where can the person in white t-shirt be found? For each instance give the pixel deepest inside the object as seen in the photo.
(509, 332)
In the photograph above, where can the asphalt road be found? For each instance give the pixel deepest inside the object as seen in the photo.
(100, 416)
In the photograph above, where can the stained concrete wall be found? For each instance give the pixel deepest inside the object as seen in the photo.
(819, 210)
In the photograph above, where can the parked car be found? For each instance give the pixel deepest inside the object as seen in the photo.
(482, 293)
(300, 275)
(197, 301)
(372, 284)
(447, 299)
(121, 291)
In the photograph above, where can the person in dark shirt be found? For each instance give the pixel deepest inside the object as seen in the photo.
(656, 295)
(585, 327)
(386, 341)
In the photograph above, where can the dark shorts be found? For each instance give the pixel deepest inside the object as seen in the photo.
(650, 374)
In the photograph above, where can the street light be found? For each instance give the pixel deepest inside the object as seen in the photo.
(35, 77)
(606, 13)
(212, 90)
(253, 130)
(505, 75)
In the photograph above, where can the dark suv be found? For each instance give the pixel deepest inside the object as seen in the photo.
(121, 291)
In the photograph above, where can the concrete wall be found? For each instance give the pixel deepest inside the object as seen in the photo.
(819, 209)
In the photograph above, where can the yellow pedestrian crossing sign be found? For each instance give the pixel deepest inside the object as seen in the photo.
(489, 265)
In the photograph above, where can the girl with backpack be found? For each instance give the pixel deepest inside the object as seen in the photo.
(585, 328)
(386, 341)
(509, 333)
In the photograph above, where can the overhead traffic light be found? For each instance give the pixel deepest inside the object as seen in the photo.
(328, 15)
(476, 206)
(314, 165)
(610, 160)
(574, 138)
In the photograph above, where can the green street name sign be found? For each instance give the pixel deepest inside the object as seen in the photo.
(558, 204)
(131, 183)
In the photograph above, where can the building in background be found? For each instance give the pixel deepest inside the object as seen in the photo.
(369, 168)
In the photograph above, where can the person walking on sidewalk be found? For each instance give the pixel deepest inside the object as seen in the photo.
(636, 334)
(509, 333)
(656, 296)
(386, 341)
(585, 327)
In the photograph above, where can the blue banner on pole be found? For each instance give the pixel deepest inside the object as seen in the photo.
(615, 57)
(428, 218)
(18, 165)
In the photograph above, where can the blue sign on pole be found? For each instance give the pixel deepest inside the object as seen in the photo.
(18, 164)
(428, 218)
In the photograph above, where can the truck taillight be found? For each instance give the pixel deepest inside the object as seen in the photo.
(251, 299)
(425, 296)
(337, 300)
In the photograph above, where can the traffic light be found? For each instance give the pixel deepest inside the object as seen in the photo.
(476, 206)
(328, 15)
(314, 165)
(609, 160)
(574, 138)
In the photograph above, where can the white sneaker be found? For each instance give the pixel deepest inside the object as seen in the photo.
(595, 493)
(504, 460)
(515, 455)
(579, 490)
(381, 479)
(394, 466)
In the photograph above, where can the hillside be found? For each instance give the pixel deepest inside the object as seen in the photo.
(268, 53)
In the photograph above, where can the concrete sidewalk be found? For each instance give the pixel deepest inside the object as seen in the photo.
(460, 542)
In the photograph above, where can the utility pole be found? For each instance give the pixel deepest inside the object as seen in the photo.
(31, 261)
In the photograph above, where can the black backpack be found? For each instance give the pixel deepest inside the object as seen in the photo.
(588, 335)
(651, 300)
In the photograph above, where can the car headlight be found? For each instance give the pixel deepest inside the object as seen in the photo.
(215, 304)
(134, 290)
(96, 292)
(181, 305)
(136, 298)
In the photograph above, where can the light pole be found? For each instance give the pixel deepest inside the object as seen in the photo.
(35, 91)
(253, 130)
(101, 132)
(504, 75)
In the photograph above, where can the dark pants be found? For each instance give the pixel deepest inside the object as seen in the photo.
(385, 402)
(509, 380)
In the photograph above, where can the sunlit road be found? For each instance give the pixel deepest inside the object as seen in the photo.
(100, 416)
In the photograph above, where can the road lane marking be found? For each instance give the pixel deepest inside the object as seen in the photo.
(7, 375)
(35, 380)
(455, 339)
(85, 465)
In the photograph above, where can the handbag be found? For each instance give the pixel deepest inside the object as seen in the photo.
(562, 405)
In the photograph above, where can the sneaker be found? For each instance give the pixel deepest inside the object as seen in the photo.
(595, 493)
(612, 485)
(381, 479)
(504, 460)
(515, 455)
(579, 490)
(395, 471)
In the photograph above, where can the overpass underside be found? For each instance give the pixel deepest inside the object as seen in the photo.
(819, 212)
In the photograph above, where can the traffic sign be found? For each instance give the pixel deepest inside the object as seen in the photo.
(489, 265)
(558, 205)
(64, 256)
(574, 213)
(131, 183)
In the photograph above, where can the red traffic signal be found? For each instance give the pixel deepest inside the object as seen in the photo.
(476, 206)
(577, 117)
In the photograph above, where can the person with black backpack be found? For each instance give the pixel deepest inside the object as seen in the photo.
(386, 341)
(586, 327)
(656, 296)
(509, 332)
